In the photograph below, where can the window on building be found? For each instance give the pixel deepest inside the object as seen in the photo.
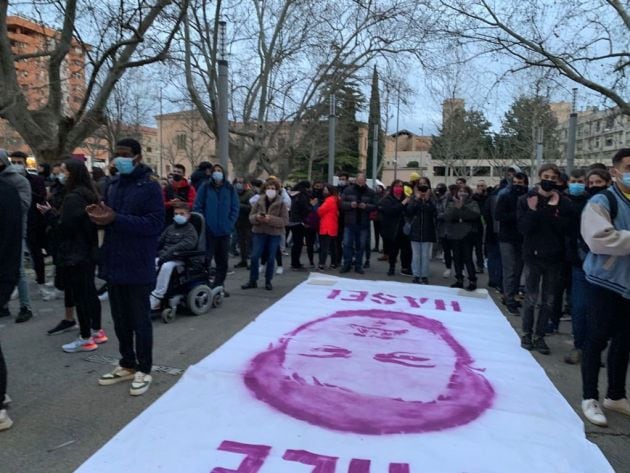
(609, 141)
(610, 122)
(460, 171)
(439, 171)
(598, 125)
(181, 141)
(149, 149)
(596, 142)
(481, 171)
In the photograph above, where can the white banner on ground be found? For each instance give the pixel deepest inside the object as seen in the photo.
(348, 376)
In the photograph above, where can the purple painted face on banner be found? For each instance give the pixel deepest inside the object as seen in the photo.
(371, 372)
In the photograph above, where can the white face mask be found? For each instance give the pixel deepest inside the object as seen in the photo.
(271, 194)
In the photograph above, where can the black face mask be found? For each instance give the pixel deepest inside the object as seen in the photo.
(440, 191)
(547, 185)
(423, 188)
(519, 189)
(592, 190)
(177, 177)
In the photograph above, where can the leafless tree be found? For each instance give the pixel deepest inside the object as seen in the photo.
(113, 37)
(585, 41)
(284, 52)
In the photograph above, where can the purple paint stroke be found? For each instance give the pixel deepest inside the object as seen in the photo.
(255, 456)
(462, 399)
(322, 463)
(363, 466)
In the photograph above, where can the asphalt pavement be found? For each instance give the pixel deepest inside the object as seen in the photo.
(62, 416)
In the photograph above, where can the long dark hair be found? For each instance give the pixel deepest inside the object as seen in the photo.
(395, 182)
(332, 190)
(79, 177)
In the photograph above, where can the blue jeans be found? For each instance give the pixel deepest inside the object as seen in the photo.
(23, 291)
(355, 238)
(263, 242)
(580, 296)
(495, 268)
(421, 251)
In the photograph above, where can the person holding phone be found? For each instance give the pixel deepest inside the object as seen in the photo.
(76, 246)
(422, 214)
(269, 216)
(461, 218)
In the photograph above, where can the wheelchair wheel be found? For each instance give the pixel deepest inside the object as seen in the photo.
(199, 299)
(217, 300)
(168, 315)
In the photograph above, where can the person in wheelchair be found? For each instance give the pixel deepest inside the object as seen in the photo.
(181, 235)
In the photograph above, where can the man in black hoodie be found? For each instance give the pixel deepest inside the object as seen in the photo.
(543, 220)
(10, 255)
(510, 240)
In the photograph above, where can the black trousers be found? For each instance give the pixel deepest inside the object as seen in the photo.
(131, 312)
(80, 289)
(608, 319)
(478, 247)
(297, 237)
(327, 244)
(447, 248)
(542, 278)
(377, 234)
(463, 257)
(5, 295)
(311, 238)
(34, 241)
(400, 244)
(244, 233)
(218, 247)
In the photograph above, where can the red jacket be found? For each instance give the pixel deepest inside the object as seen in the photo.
(329, 216)
(179, 190)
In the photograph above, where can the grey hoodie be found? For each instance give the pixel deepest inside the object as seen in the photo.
(12, 176)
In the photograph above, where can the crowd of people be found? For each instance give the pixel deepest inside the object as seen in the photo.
(557, 248)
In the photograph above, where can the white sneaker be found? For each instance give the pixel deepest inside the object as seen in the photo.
(116, 376)
(279, 270)
(80, 344)
(5, 420)
(621, 405)
(593, 413)
(155, 302)
(446, 274)
(140, 384)
(7, 400)
(50, 295)
(104, 297)
(14, 294)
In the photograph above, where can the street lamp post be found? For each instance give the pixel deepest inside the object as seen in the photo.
(332, 119)
(397, 130)
(222, 105)
(572, 132)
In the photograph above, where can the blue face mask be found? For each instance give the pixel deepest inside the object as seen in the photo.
(576, 188)
(625, 179)
(180, 219)
(61, 178)
(124, 165)
(217, 176)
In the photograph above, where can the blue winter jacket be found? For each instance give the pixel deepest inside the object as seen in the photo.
(131, 240)
(219, 206)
